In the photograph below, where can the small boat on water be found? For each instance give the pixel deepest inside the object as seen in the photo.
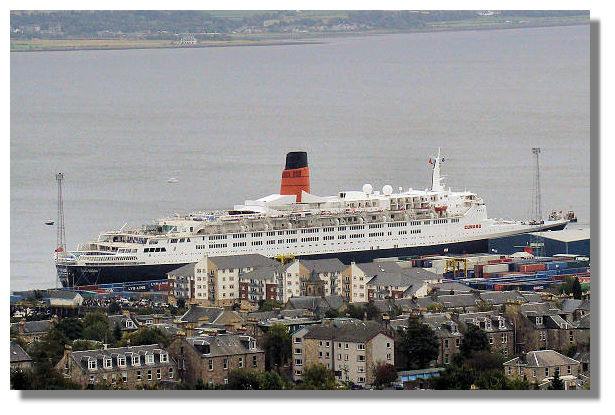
(49, 222)
(172, 180)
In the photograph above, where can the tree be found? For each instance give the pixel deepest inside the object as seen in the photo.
(243, 379)
(474, 340)
(96, 327)
(332, 313)
(384, 374)
(70, 327)
(277, 345)
(418, 345)
(82, 344)
(318, 377)
(269, 305)
(372, 312)
(146, 335)
(355, 311)
(271, 381)
(117, 333)
(181, 302)
(114, 308)
(557, 384)
(492, 379)
(577, 291)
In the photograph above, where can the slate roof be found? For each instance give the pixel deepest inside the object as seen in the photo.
(350, 330)
(316, 304)
(225, 344)
(570, 305)
(262, 273)
(321, 266)
(457, 300)
(18, 354)
(542, 358)
(539, 309)
(447, 287)
(502, 297)
(37, 326)
(482, 316)
(122, 321)
(184, 271)
(197, 313)
(242, 261)
(62, 294)
(82, 357)
(585, 322)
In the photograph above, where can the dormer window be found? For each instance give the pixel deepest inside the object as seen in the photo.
(252, 344)
(107, 363)
(488, 325)
(502, 324)
(92, 364)
(538, 320)
(164, 358)
(136, 361)
(121, 361)
(149, 359)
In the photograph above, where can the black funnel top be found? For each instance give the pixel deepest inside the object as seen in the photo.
(296, 160)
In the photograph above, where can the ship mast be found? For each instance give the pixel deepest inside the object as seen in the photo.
(60, 232)
(537, 200)
(436, 179)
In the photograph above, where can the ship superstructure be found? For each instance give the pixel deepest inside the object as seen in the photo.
(352, 225)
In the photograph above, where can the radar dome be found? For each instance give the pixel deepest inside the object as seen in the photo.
(387, 190)
(368, 189)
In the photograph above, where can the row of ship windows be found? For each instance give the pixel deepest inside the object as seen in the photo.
(332, 229)
(307, 239)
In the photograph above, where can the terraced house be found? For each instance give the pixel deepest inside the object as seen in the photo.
(210, 358)
(124, 367)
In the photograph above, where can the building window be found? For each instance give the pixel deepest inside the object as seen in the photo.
(361, 346)
(226, 381)
(149, 374)
(504, 338)
(388, 345)
(92, 364)
(360, 358)
(346, 346)
(124, 377)
(490, 339)
(164, 357)
(139, 377)
(388, 356)
(534, 373)
(254, 361)
(546, 371)
(158, 374)
(298, 362)
(297, 339)
(569, 370)
(210, 364)
(170, 373)
(225, 363)
(446, 343)
(136, 360)
(241, 362)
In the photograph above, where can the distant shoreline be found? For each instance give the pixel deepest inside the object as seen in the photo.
(66, 45)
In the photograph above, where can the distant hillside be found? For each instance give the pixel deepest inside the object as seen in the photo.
(169, 24)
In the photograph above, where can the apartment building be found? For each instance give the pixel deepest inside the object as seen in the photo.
(350, 348)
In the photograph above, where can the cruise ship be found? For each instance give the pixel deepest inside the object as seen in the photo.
(353, 225)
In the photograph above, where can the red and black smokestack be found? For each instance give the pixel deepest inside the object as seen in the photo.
(296, 175)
